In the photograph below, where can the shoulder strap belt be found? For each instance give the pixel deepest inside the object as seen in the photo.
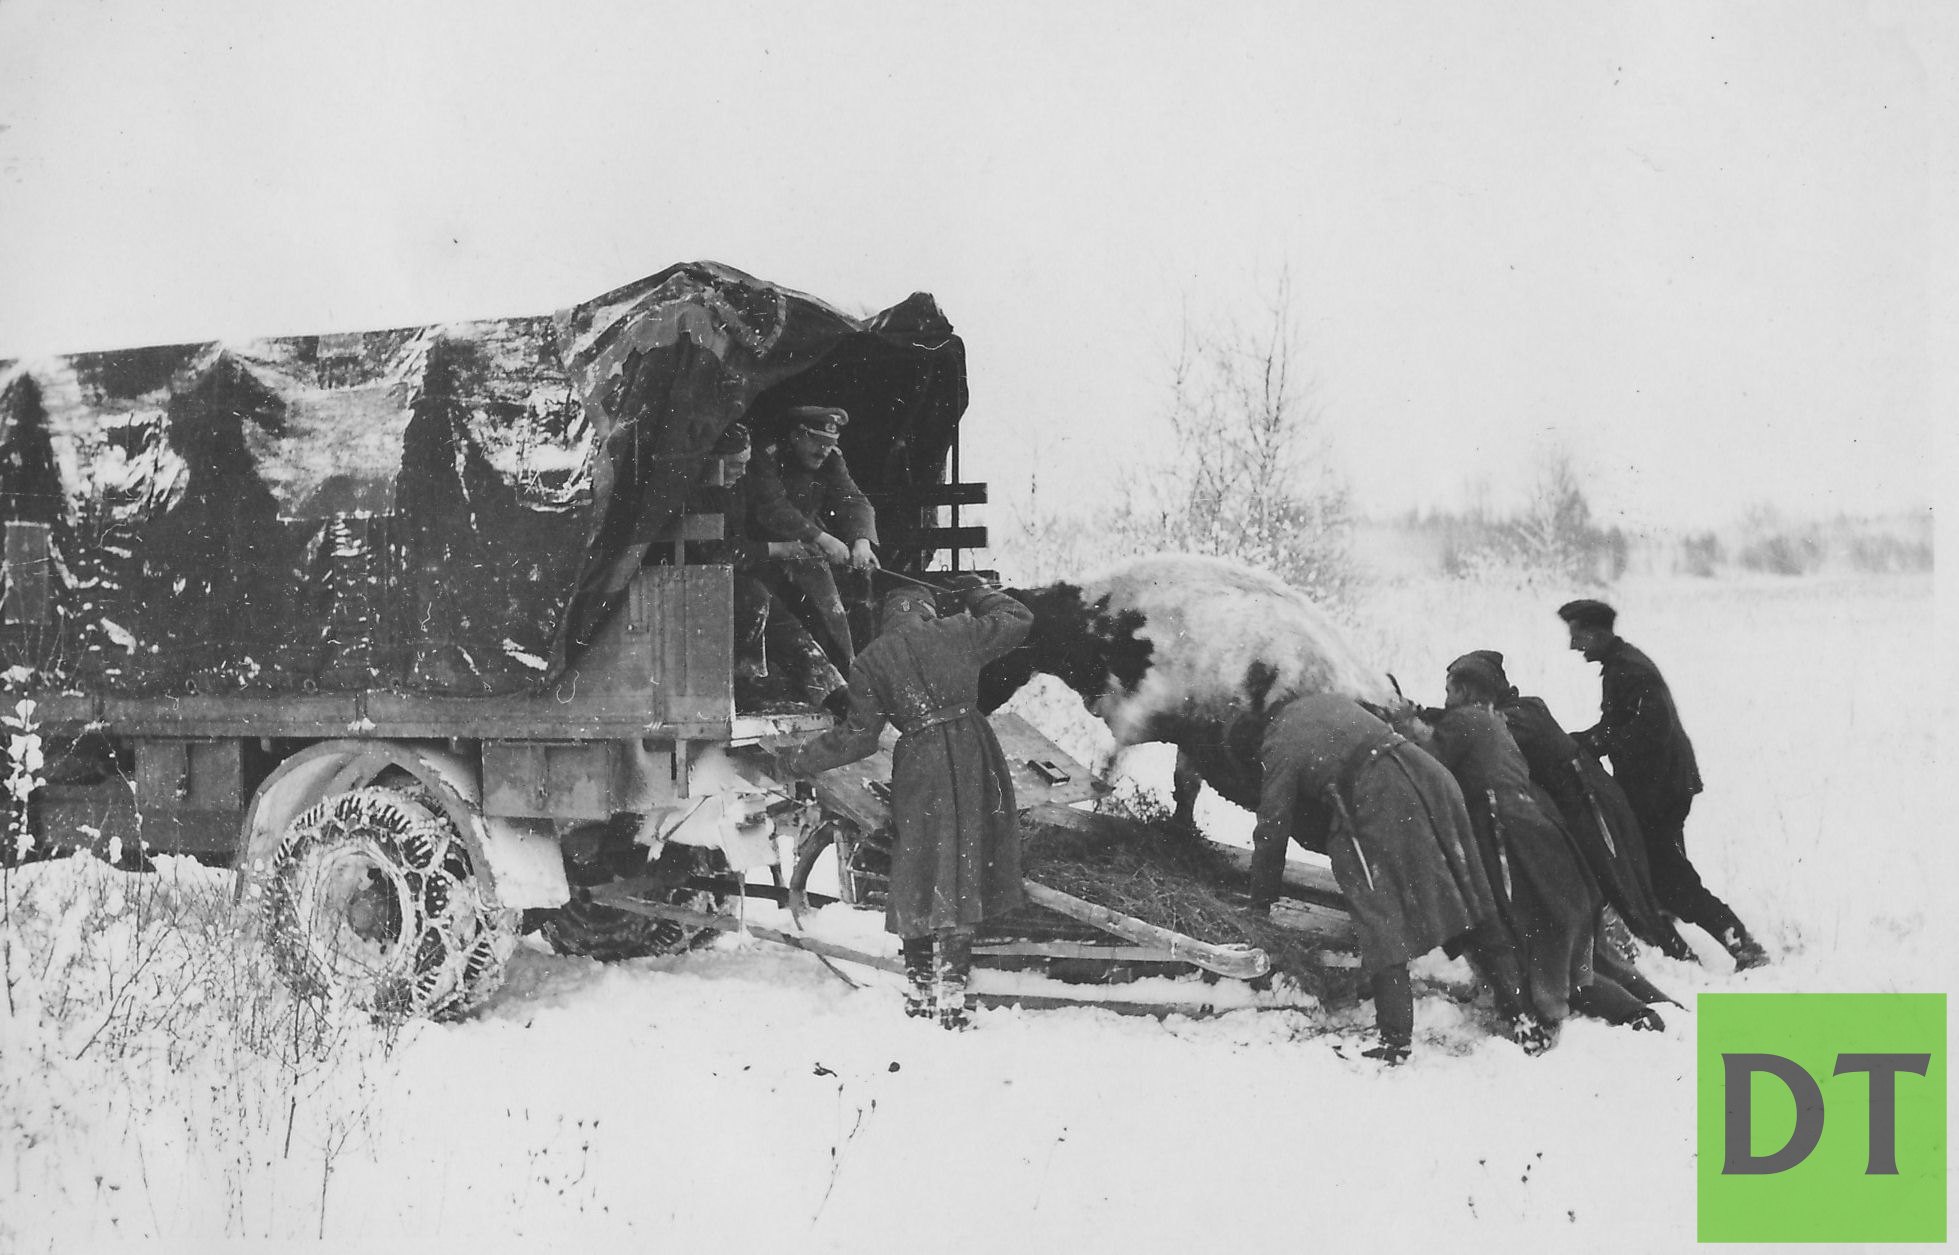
(933, 718)
(1361, 756)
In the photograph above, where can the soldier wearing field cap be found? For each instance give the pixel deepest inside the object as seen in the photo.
(1639, 729)
(1391, 821)
(803, 492)
(1594, 808)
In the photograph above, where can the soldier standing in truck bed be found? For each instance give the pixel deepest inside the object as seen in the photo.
(956, 859)
(775, 657)
(803, 492)
(1653, 761)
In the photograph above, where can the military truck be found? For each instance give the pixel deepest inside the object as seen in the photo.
(404, 623)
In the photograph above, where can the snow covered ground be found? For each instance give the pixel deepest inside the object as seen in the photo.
(155, 1085)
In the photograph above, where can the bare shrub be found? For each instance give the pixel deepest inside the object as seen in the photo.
(1252, 476)
(1551, 541)
(1555, 533)
(1772, 544)
(1886, 554)
(1782, 555)
(1701, 554)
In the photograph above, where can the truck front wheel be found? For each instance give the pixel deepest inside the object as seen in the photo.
(371, 901)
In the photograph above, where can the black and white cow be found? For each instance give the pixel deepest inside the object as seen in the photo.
(1189, 650)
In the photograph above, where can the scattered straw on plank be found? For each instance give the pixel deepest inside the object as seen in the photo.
(1162, 874)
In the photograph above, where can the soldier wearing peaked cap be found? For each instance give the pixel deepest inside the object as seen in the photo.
(1639, 729)
(768, 635)
(803, 493)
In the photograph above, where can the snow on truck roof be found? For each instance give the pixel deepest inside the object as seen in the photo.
(437, 509)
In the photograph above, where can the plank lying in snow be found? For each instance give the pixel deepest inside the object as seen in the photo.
(1242, 962)
(607, 896)
(1155, 1010)
(1075, 950)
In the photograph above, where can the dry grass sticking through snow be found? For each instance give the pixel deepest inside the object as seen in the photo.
(144, 1003)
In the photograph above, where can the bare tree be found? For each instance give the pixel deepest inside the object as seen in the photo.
(1555, 533)
(1252, 477)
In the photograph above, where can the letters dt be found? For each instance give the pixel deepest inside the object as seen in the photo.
(1821, 1117)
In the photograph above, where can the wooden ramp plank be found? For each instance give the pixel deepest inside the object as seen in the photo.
(1241, 962)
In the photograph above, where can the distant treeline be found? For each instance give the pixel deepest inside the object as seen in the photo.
(1476, 543)
(1569, 545)
(1765, 542)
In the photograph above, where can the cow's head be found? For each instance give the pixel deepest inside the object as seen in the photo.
(1080, 642)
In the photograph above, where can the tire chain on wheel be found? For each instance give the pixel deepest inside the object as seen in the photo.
(456, 957)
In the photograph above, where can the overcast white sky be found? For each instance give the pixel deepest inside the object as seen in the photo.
(1694, 243)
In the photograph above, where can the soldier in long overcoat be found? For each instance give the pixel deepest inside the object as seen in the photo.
(1342, 783)
(1544, 893)
(1639, 729)
(956, 860)
(1595, 811)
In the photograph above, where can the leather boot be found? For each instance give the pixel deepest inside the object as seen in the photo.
(1532, 1034)
(1747, 951)
(953, 968)
(1394, 1016)
(919, 993)
(1647, 1021)
(1391, 1053)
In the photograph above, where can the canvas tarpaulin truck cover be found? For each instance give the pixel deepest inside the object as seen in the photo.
(445, 509)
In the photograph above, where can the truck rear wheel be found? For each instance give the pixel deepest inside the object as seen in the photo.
(371, 901)
(607, 933)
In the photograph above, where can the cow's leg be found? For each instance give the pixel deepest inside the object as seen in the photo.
(1185, 784)
(1102, 776)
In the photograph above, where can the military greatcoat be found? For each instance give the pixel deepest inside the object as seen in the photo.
(1595, 812)
(1544, 893)
(1341, 783)
(956, 860)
